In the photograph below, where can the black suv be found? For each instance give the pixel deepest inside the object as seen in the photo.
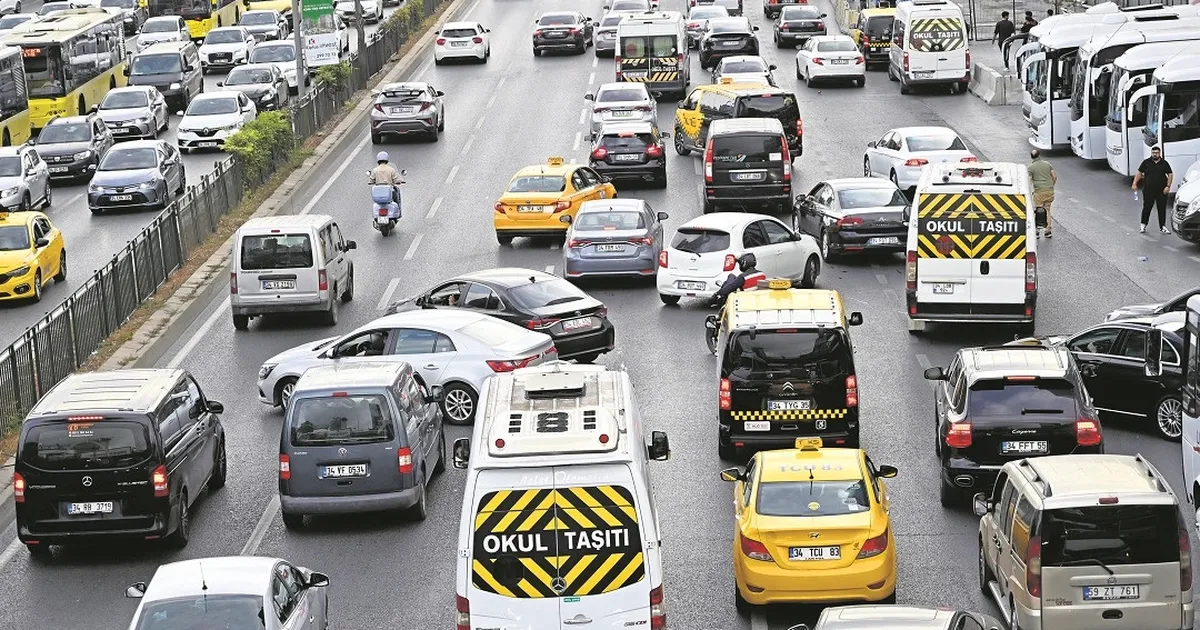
(726, 37)
(113, 454)
(747, 163)
(998, 404)
(72, 146)
(631, 151)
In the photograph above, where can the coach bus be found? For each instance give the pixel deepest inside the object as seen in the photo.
(15, 127)
(202, 16)
(1172, 113)
(1190, 398)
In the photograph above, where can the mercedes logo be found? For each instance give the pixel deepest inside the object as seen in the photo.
(87, 481)
(558, 585)
(814, 534)
(342, 452)
(788, 387)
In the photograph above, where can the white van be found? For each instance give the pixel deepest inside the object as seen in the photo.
(558, 524)
(289, 264)
(972, 246)
(652, 48)
(929, 46)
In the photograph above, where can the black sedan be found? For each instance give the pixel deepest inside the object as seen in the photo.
(631, 151)
(562, 30)
(262, 83)
(1111, 358)
(798, 23)
(1177, 304)
(853, 215)
(725, 37)
(538, 301)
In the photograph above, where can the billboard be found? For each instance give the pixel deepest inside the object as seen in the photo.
(319, 28)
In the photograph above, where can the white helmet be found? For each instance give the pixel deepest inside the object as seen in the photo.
(382, 156)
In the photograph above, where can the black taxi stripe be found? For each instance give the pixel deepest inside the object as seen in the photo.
(794, 414)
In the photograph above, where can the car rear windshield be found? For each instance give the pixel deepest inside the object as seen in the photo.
(341, 420)
(700, 241)
(276, 251)
(557, 20)
(545, 293)
(405, 95)
(940, 142)
(707, 13)
(611, 20)
(10, 166)
(86, 445)
(822, 353)
(611, 221)
(781, 106)
(730, 25)
(634, 47)
(854, 198)
(812, 498)
(630, 142)
(879, 26)
(1020, 399)
(836, 46)
(156, 26)
(205, 611)
(459, 32)
(125, 100)
(630, 5)
(258, 18)
(1112, 534)
(224, 37)
(248, 76)
(747, 148)
(801, 13)
(621, 95)
(122, 159)
(538, 184)
(12, 21)
(743, 65)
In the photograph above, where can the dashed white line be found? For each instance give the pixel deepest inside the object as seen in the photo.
(1072, 200)
(758, 621)
(881, 278)
(578, 139)
(260, 528)
(453, 172)
(1090, 209)
(336, 174)
(387, 294)
(72, 200)
(892, 295)
(437, 203)
(1109, 219)
(573, 160)
(491, 101)
(10, 551)
(582, 115)
(194, 340)
(467, 147)
(595, 61)
(479, 123)
(699, 168)
(1195, 258)
(1169, 248)
(412, 249)
(555, 246)
(501, 83)
(549, 268)
(591, 78)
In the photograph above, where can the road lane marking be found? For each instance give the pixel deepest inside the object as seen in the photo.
(1090, 209)
(582, 115)
(554, 246)
(1195, 258)
(479, 123)
(758, 621)
(194, 340)
(578, 139)
(892, 295)
(549, 268)
(573, 160)
(595, 61)
(387, 294)
(1109, 219)
(467, 147)
(881, 278)
(412, 249)
(336, 174)
(491, 101)
(260, 528)
(591, 78)
(437, 203)
(73, 200)
(501, 83)
(424, 68)
(1169, 248)
(923, 360)
(453, 172)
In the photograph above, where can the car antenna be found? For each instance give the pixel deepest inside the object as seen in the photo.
(532, 280)
(204, 583)
(810, 481)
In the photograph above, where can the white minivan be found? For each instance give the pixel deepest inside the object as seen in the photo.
(929, 46)
(290, 264)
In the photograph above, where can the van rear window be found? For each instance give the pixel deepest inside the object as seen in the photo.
(822, 353)
(700, 241)
(276, 251)
(781, 106)
(744, 148)
(87, 445)
(1112, 534)
(341, 420)
(1022, 399)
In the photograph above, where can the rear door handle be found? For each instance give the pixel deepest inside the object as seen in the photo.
(431, 367)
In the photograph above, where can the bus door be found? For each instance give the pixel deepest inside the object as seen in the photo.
(1191, 398)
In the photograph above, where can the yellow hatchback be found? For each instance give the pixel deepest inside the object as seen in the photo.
(812, 527)
(538, 197)
(31, 253)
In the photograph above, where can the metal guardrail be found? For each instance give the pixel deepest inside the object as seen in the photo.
(71, 332)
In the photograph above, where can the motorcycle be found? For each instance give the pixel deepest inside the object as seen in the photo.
(711, 330)
(386, 211)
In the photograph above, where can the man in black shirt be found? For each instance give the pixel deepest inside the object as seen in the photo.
(1004, 29)
(1156, 177)
(1029, 22)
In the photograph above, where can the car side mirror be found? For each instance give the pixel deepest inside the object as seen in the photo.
(190, 69)
(679, 105)
(980, 504)
(824, 15)
(136, 590)
(42, 242)
(487, 30)
(663, 216)
(660, 446)
(440, 93)
(871, 144)
(220, 84)
(732, 474)
(799, 626)
(591, 137)
(772, 67)
(213, 406)
(94, 108)
(566, 218)
(589, 97)
(317, 580)
(665, 135)
(755, 28)
(606, 179)
(934, 374)
(462, 452)
(436, 393)
(856, 318)
(179, 112)
(1153, 353)
(888, 472)
(125, 71)
(351, 245)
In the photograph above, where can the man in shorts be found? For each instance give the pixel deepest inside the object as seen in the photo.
(1043, 177)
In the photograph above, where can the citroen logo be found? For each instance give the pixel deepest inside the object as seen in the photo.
(342, 452)
(814, 534)
(558, 585)
(87, 481)
(787, 387)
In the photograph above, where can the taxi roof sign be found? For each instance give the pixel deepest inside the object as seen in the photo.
(779, 283)
(726, 80)
(809, 443)
(555, 161)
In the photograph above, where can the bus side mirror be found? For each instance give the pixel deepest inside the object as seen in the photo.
(1154, 349)
(660, 446)
(462, 452)
(856, 318)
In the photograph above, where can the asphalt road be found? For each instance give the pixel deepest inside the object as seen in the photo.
(518, 110)
(92, 241)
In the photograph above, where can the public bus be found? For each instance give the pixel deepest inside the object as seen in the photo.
(15, 127)
(1189, 396)
(71, 60)
(1131, 71)
(202, 16)
(1173, 112)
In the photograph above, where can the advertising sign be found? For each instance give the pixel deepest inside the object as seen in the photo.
(319, 28)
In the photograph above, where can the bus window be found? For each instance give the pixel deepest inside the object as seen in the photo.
(13, 99)
(1181, 118)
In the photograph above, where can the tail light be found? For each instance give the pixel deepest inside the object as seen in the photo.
(477, 40)
(462, 613)
(846, 222)
(708, 165)
(601, 110)
(654, 151)
(783, 27)
(599, 153)
(425, 106)
(499, 207)
(658, 614)
(576, 243)
(617, 62)
(852, 391)
(404, 459)
(537, 33)
(559, 206)
(799, 127)
(916, 162)
(910, 270)
(601, 312)
(285, 467)
(1033, 567)
(540, 324)
(754, 549)
(573, 31)
(860, 60)
(642, 240)
(19, 490)
(969, 158)
(1087, 432)
(662, 259)
(906, 62)
(383, 212)
(693, 25)
(233, 282)
(643, 108)
(959, 435)
(679, 58)
(968, 61)
(508, 366)
(866, 40)
(730, 262)
(1030, 272)
(379, 108)
(441, 41)
(821, 26)
(874, 546)
(1185, 561)
(819, 61)
(322, 280)
(159, 480)
(787, 165)
(723, 395)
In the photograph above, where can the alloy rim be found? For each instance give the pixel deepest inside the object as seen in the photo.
(459, 405)
(285, 394)
(1170, 417)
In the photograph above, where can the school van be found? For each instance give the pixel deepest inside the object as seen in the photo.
(929, 46)
(972, 246)
(652, 48)
(558, 525)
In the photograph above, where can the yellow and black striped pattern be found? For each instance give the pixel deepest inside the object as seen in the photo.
(971, 226)
(557, 542)
(653, 77)
(657, 69)
(937, 34)
(794, 414)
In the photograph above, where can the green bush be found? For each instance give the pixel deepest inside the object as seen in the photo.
(407, 18)
(262, 144)
(336, 76)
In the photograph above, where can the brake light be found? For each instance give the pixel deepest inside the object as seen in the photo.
(18, 488)
(658, 614)
(379, 108)
(643, 108)
(576, 243)
(662, 259)
(820, 26)
(845, 222)
(499, 207)
(754, 549)
(1030, 272)
(959, 435)
(708, 166)
(969, 158)
(1033, 567)
(537, 33)
(852, 391)
(539, 324)
(819, 61)
(425, 106)
(477, 40)
(573, 31)
(641, 240)
(599, 153)
(859, 60)
(693, 25)
(322, 280)
(968, 61)
(159, 480)
(654, 151)
(1087, 432)
(601, 110)
(730, 262)
(441, 41)
(874, 546)
(866, 40)
(799, 127)
(285, 467)
(1185, 561)
(233, 282)
(383, 212)
(723, 395)
(787, 165)
(916, 162)
(508, 366)
(559, 206)
(906, 62)
(462, 613)
(783, 27)
(404, 459)
(910, 270)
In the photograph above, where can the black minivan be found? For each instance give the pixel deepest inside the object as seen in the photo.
(123, 453)
(747, 164)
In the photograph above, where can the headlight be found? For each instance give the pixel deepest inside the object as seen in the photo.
(150, 184)
(175, 86)
(265, 370)
(83, 155)
(18, 272)
(8, 192)
(95, 188)
(1194, 207)
(234, 127)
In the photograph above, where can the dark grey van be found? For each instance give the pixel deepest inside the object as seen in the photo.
(172, 67)
(116, 454)
(363, 437)
(747, 164)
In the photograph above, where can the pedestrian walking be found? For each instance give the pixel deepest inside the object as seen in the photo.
(1049, 12)
(1155, 177)
(1044, 177)
(1029, 22)
(1003, 30)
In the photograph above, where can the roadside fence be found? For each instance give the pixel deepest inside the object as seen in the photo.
(71, 332)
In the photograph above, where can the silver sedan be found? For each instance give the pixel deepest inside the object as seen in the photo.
(138, 111)
(614, 237)
(622, 102)
(231, 592)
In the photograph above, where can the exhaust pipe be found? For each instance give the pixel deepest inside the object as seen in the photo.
(964, 481)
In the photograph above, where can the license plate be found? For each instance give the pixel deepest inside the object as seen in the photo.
(345, 470)
(58, 169)
(381, 220)
(1025, 446)
(815, 553)
(91, 507)
(402, 110)
(788, 405)
(884, 240)
(690, 286)
(120, 197)
(943, 288)
(923, 73)
(627, 157)
(122, 129)
(610, 248)
(840, 62)
(532, 208)
(460, 44)
(275, 285)
(756, 425)
(206, 145)
(556, 34)
(576, 324)
(621, 113)
(747, 177)
(1104, 593)
(635, 75)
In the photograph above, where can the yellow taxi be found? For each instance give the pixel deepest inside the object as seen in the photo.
(540, 196)
(812, 526)
(31, 253)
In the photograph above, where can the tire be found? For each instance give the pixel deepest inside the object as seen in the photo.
(293, 521)
(984, 572)
(37, 287)
(376, 138)
(183, 531)
(442, 121)
(808, 81)
(798, 75)
(386, 229)
(283, 391)
(49, 196)
(587, 358)
(331, 315)
(504, 239)
(680, 148)
(669, 300)
(441, 463)
(61, 276)
(891, 75)
(537, 53)
(904, 87)
(436, 135)
(220, 470)
(860, 82)
(812, 269)
(459, 404)
(867, 167)
(26, 203)
(949, 495)
(743, 607)
(1168, 416)
(708, 207)
(348, 294)
(241, 322)
(661, 181)
(778, 44)
(39, 552)
(890, 599)
(420, 510)
(727, 452)
(826, 248)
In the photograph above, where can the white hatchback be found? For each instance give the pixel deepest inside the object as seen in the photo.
(902, 152)
(462, 40)
(831, 58)
(704, 252)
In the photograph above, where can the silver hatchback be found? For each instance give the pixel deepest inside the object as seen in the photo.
(614, 237)
(402, 109)
(622, 102)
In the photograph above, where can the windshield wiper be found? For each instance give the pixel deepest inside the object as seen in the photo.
(1070, 563)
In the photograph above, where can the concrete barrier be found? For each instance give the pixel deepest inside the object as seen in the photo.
(993, 86)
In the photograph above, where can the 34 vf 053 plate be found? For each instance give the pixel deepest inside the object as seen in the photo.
(345, 470)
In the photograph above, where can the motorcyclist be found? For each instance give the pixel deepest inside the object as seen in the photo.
(384, 174)
(747, 279)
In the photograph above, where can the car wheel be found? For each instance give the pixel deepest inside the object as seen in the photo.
(348, 294)
(860, 82)
(293, 521)
(504, 240)
(904, 87)
(827, 253)
(459, 404)
(435, 135)
(808, 81)
(331, 315)
(437, 62)
(867, 167)
(420, 510)
(587, 358)
(220, 470)
(442, 121)
(708, 207)
(241, 322)
(537, 52)
(183, 531)
(1168, 415)
(37, 286)
(441, 463)
(39, 551)
(376, 138)
(26, 204)
(61, 276)
(680, 148)
(669, 300)
(985, 572)
(49, 195)
(895, 180)
(811, 270)
(284, 390)
(798, 75)
(743, 607)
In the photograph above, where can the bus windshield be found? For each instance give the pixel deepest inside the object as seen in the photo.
(183, 8)
(44, 71)
(1116, 98)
